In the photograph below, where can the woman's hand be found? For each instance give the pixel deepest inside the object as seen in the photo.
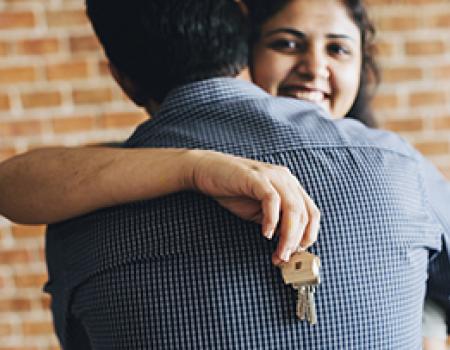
(89, 178)
(264, 193)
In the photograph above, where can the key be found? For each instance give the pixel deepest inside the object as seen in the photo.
(301, 302)
(311, 305)
(302, 272)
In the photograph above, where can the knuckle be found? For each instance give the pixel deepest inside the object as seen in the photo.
(286, 170)
(291, 207)
(315, 213)
(304, 217)
(273, 196)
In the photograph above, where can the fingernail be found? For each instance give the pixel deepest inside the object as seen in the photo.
(276, 261)
(286, 255)
(269, 233)
(301, 249)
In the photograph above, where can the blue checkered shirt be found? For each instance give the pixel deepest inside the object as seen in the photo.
(180, 272)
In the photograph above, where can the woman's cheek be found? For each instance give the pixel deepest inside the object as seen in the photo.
(269, 71)
(346, 85)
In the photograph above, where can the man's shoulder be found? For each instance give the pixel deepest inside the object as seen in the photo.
(384, 140)
(254, 123)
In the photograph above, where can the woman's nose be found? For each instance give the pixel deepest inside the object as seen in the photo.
(313, 64)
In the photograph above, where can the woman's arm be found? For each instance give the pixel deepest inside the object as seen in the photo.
(53, 184)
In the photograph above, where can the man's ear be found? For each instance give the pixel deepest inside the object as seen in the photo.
(242, 6)
(128, 86)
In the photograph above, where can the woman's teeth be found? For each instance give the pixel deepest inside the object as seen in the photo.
(313, 96)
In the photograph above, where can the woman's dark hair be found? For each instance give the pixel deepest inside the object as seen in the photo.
(262, 10)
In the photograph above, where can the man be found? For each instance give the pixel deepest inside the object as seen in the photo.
(182, 273)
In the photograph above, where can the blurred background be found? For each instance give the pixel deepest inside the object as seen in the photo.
(55, 89)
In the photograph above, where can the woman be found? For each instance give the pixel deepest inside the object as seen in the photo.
(300, 51)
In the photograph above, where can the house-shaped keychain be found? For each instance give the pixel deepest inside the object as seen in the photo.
(302, 269)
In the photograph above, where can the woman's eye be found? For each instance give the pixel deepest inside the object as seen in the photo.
(283, 45)
(339, 49)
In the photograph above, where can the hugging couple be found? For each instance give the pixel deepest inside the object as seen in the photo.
(177, 259)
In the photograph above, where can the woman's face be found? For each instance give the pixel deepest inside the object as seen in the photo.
(310, 50)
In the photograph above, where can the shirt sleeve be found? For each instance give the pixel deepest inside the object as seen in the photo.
(438, 193)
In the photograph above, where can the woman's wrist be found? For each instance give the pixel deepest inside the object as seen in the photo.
(190, 159)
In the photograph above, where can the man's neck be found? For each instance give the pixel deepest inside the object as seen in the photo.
(152, 107)
(244, 75)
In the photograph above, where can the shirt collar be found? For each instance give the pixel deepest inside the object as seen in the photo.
(210, 91)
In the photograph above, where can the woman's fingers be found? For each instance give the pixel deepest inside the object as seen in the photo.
(268, 194)
(313, 226)
(271, 211)
(286, 206)
(294, 219)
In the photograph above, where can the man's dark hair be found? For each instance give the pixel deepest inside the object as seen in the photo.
(161, 44)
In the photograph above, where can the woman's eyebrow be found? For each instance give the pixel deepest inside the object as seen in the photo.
(294, 32)
(301, 35)
(340, 36)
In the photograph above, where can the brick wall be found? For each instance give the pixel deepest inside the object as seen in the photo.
(55, 89)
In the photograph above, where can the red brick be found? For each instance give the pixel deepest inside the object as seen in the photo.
(67, 18)
(15, 304)
(30, 281)
(17, 75)
(13, 256)
(118, 120)
(103, 68)
(18, 19)
(5, 329)
(384, 48)
(440, 21)
(28, 231)
(67, 71)
(3, 281)
(18, 347)
(38, 46)
(398, 23)
(73, 124)
(37, 328)
(433, 147)
(385, 101)
(4, 48)
(441, 123)
(442, 72)
(399, 125)
(426, 98)
(46, 301)
(92, 96)
(446, 172)
(20, 128)
(405, 2)
(84, 43)
(402, 74)
(425, 47)
(41, 99)
(4, 102)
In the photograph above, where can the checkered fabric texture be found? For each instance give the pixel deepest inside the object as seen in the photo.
(180, 272)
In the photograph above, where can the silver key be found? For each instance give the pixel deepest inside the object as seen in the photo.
(311, 314)
(302, 272)
(301, 301)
